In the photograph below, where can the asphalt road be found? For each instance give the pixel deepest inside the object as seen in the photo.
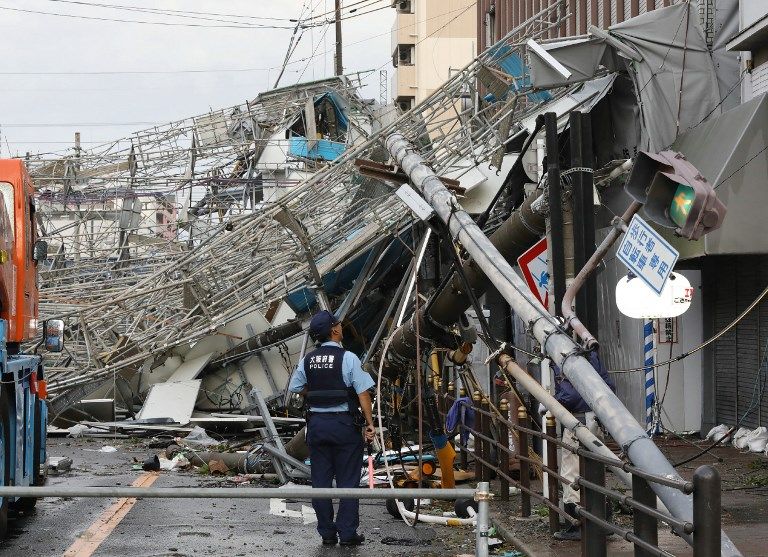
(185, 527)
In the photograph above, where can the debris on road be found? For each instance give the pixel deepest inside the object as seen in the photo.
(59, 464)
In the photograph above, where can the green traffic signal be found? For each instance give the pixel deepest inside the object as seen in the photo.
(681, 205)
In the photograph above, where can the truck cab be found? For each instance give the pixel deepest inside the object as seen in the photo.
(23, 411)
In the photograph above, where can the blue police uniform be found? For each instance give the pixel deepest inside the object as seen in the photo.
(334, 377)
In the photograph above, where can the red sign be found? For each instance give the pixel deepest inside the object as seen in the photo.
(533, 265)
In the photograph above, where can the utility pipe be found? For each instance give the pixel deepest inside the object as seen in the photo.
(556, 227)
(556, 343)
(561, 413)
(571, 319)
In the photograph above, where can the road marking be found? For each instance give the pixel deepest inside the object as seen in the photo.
(90, 540)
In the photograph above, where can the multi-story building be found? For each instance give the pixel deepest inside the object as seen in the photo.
(496, 18)
(431, 39)
(752, 45)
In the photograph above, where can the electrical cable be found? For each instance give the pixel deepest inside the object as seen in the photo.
(706, 343)
(297, 61)
(168, 11)
(249, 26)
(419, 397)
(753, 404)
(333, 12)
(739, 169)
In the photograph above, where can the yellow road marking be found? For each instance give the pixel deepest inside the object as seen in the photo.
(90, 540)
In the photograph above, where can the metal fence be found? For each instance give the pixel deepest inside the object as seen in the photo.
(481, 495)
(492, 455)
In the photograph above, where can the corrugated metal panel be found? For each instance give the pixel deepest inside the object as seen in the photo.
(760, 80)
(627, 10)
(600, 11)
(726, 394)
(739, 382)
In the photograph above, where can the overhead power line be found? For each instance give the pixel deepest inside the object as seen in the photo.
(170, 11)
(81, 124)
(297, 61)
(243, 25)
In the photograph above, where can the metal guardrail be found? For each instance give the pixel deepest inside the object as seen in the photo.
(491, 433)
(481, 495)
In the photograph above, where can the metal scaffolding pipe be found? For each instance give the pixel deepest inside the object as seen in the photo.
(237, 493)
(562, 415)
(555, 342)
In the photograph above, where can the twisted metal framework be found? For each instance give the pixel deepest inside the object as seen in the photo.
(131, 293)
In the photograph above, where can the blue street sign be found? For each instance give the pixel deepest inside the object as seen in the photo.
(646, 254)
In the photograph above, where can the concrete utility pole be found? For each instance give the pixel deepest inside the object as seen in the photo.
(555, 342)
(339, 66)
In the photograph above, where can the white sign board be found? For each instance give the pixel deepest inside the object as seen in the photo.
(634, 298)
(533, 266)
(415, 202)
(646, 254)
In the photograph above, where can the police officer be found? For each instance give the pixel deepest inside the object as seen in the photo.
(336, 390)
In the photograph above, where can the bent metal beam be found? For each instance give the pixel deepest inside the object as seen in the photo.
(518, 233)
(556, 343)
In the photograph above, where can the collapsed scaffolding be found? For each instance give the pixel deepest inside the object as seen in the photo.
(160, 291)
(229, 290)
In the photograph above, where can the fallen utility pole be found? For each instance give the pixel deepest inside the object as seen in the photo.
(555, 342)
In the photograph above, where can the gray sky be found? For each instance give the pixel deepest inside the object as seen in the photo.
(35, 42)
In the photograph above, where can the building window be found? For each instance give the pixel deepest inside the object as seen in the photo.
(404, 104)
(403, 55)
(403, 6)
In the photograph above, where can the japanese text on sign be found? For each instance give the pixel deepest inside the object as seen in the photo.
(647, 254)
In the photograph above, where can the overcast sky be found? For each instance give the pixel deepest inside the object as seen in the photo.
(40, 88)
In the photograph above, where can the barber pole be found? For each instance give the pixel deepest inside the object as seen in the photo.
(649, 352)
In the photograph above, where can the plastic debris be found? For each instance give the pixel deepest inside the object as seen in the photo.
(77, 430)
(108, 449)
(178, 462)
(757, 440)
(717, 432)
(739, 440)
(198, 436)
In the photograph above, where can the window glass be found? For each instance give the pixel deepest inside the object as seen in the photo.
(7, 190)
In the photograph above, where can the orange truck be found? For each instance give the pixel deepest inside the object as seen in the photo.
(23, 411)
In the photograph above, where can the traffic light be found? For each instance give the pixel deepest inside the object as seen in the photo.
(675, 194)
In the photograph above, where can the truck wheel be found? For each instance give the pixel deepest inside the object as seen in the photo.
(5, 460)
(27, 504)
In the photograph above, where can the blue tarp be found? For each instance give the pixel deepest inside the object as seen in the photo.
(323, 149)
(334, 283)
(512, 65)
(341, 116)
